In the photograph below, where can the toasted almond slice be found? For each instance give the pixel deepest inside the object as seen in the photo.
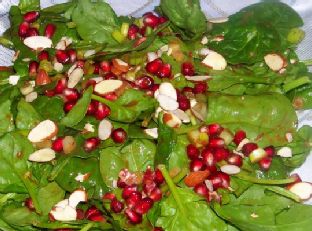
(204, 51)
(284, 152)
(218, 20)
(168, 89)
(215, 61)
(230, 169)
(198, 78)
(38, 42)
(45, 130)
(105, 129)
(13, 79)
(63, 43)
(64, 214)
(74, 77)
(97, 79)
(42, 155)
(302, 189)
(58, 66)
(182, 115)
(27, 88)
(153, 132)
(89, 53)
(31, 97)
(71, 69)
(76, 197)
(275, 61)
(62, 204)
(171, 120)
(167, 103)
(69, 144)
(108, 86)
(199, 110)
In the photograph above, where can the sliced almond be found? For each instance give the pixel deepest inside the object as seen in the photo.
(181, 115)
(167, 103)
(97, 79)
(171, 120)
(153, 132)
(88, 128)
(62, 204)
(199, 111)
(43, 144)
(168, 89)
(69, 144)
(204, 51)
(108, 86)
(58, 67)
(302, 189)
(89, 53)
(275, 61)
(71, 69)
(63, 43)
(257, 154)
(195, 178)
(218, 20)
(45, 130)
(32, 96)
(151, 56)
(27, 88)
(284, 152)
(198, 78)
(230, 169)
(76, 197)
(13, 79)
(74, 77)
(67, 213)
(242, 143)
(105, 129)
(215, 61)
(38, 42)
(42, 155)
(204, 40)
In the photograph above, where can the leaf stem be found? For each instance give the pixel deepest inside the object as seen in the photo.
(87, 227)
(296, 83)
(101, 99)
(175, 179)
(255, 180)
(185, 130)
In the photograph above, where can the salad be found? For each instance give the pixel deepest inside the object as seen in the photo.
(170, 121)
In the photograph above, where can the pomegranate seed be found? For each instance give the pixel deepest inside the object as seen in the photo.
(200, 88)
(159, 178)
(192, 152)
(29, 204)
(92, 211)
(221, 154)
(32, 32)
(239, 136)
(208, 157)
(144, 82)
(216, 142)
(43, 55)
(212, 169)
(196, 165)
(91, 144)
(91, 109)
(201, 189)
(105, 66)
(187, 68)
(187, 90)
(158, 229)
(220, 180)
(97, 218)
(151, 20)
(57, 144)
(33, 68)
(23, 28)
(149, 186)
(143, 205)
(154, 66)
(270, 150)
(162, 19)
(110, 75)
(132, 32)
(80, 63)
(49, 93)
(214, 129)
(121, 184)
(96, 68)
(62, 56)
(154, 87)
(127, 191)
(133, 217)
(31, 16)
(109, 196)
(72, 54)
(102, 111)
(60, 86)
(248, 148)
(156, 194)
(184, 102)
(235, 160)
(265, 163)
(133, 199)
(164, 71)
(80, 214)
(68, 106)
(119, 135)
(49, 30)
(70, 94)
(116, 206)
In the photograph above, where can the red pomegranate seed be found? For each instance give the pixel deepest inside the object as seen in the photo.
(270, 150)
(200, 88)
(23, 28)
(43, 55)
(187, 68)
(32, 32)
(80, 214)
(92, 211)
(265, 163)
(62, 56)
(235, 160)
(133, 199)
(208, 157)
(212, 169)
(164, 71)
(216, 142)
(96, 68)
(158, 229)
(221, 154)
(149, 186)
(156, 194)
(102, 111)
(49, 30)
(119, 135)
(110, 75)
(29, 204)
(33, 68)
(111, 96)
(144, 82)
(80, 63)
(120, 183)
(105, 66)
(109, 196)
(150, 20)
(144, 205)
(192, 152)
(68, 106)
(220, 180)
(239, 136)
(133, 217)
(159, 178)
(97, 218)
(162, 19)
(91, 109)
(127, 191)
(201, 189)
(57, 144)
(196, 165)
(186, 90)
(132, 32)
(60, 86)
(248, 148)
(214, 129)
(70, 94)
(116, 206)
(91, 144)
(154, 66)
(184, 102)
(31, 16)
(49, 93)
(72, 54)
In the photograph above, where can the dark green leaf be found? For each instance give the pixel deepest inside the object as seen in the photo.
(49, 108)
(27, 117)
(6, 117)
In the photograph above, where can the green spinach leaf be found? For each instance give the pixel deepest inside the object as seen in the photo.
(27, 117)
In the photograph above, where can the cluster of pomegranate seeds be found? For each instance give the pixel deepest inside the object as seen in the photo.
(159, 68)
(137, 197)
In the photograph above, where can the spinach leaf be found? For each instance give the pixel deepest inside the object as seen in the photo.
(29, 5)
(301, 97)
(95, 21)
(79, 110)
(186, 16)
(49, 108)
(178, 157)
(6, 117)
(27, 117)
